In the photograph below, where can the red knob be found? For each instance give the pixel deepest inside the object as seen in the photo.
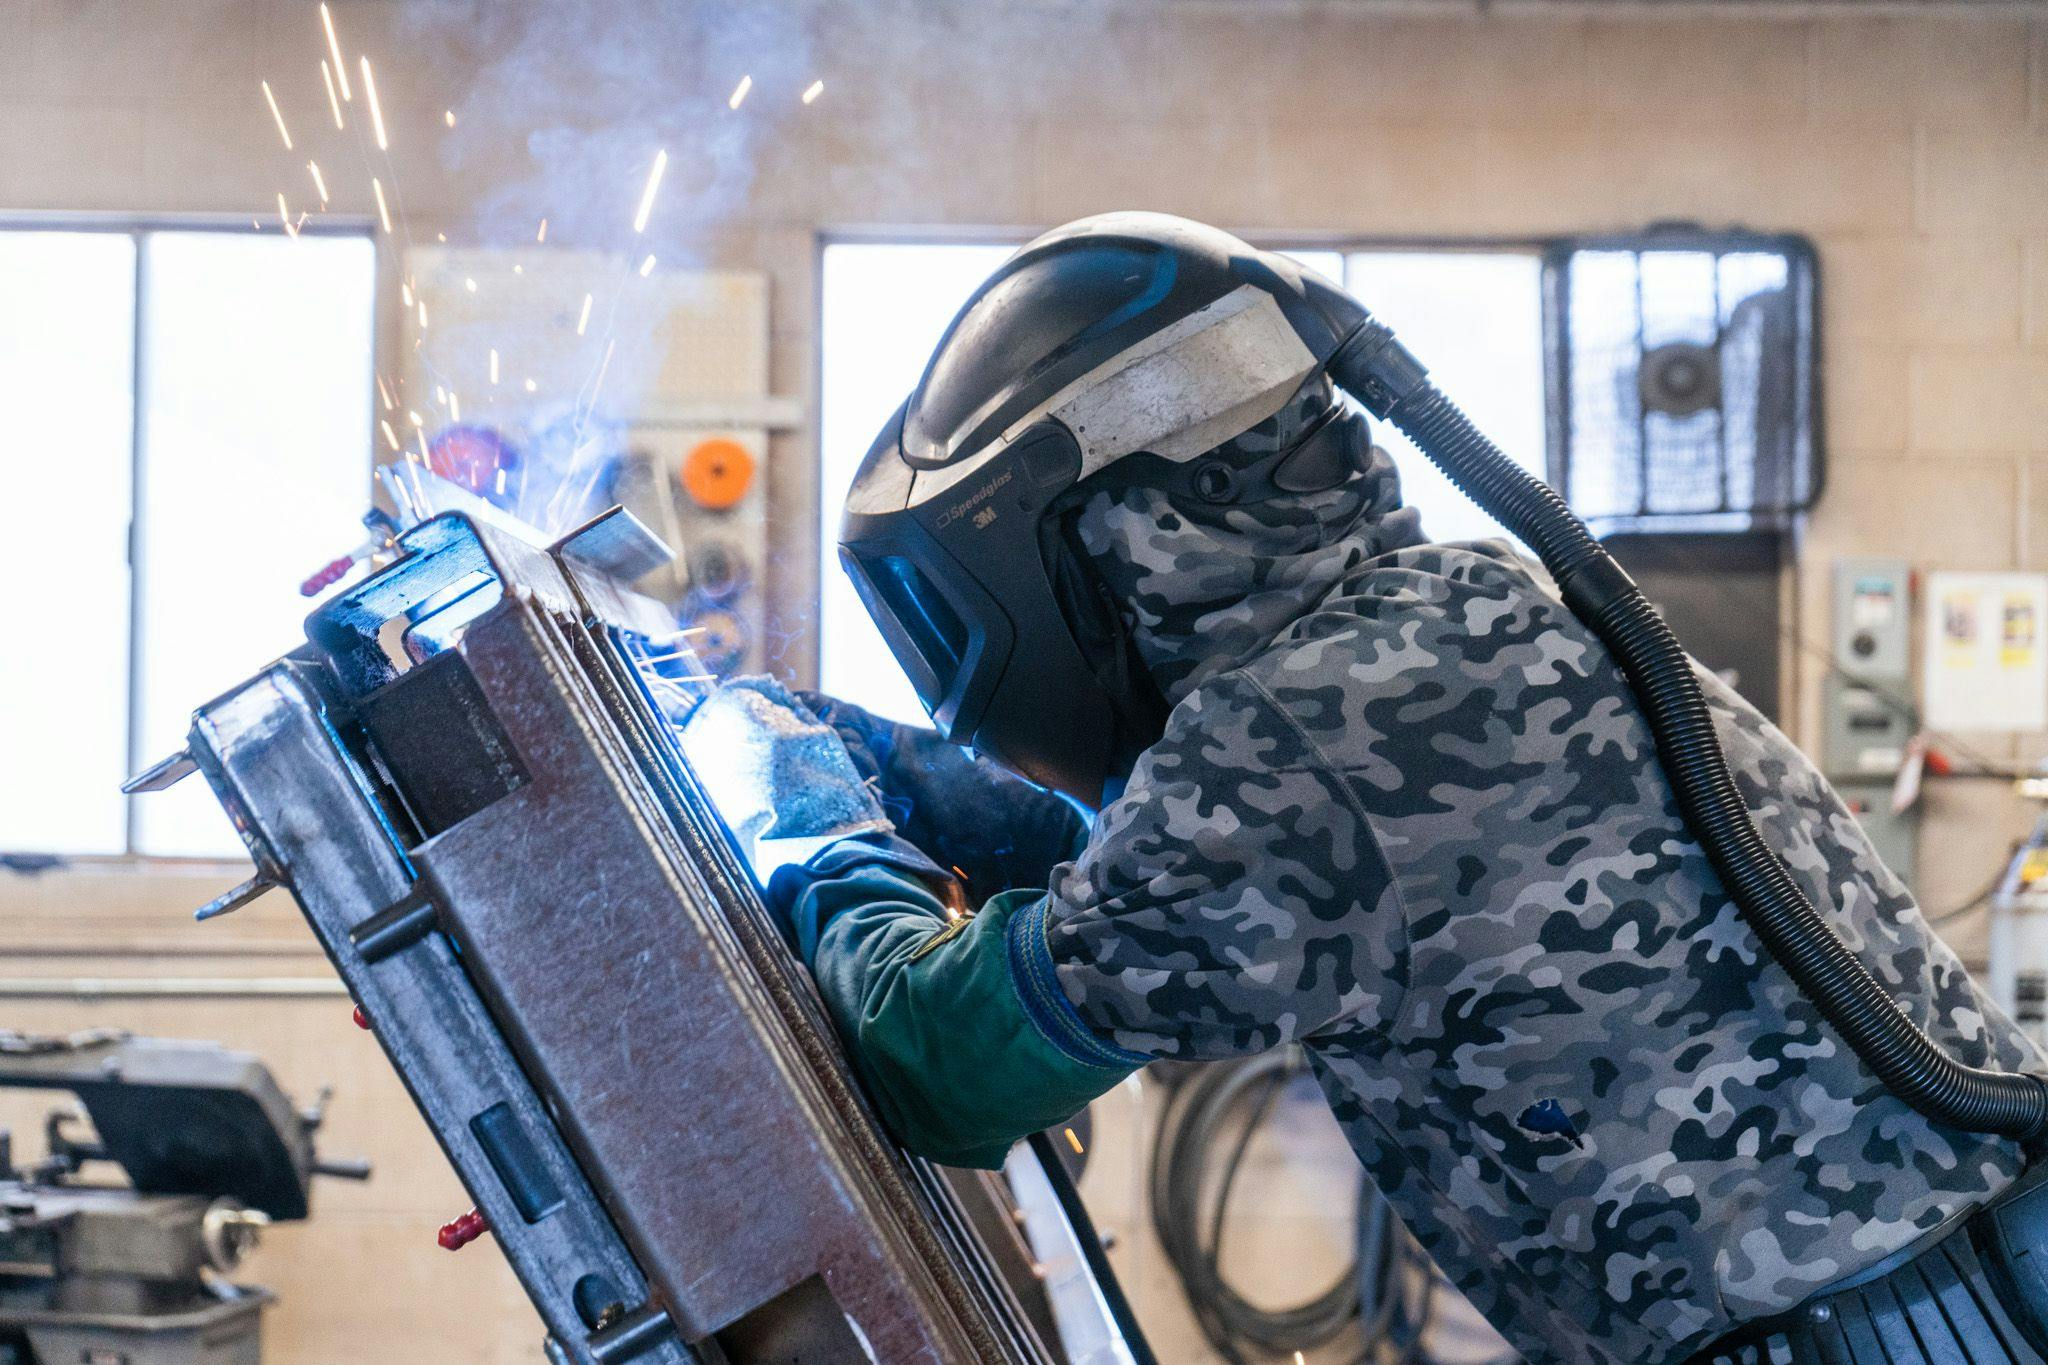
(327, 577)
(362, 1020)
(464, 1230)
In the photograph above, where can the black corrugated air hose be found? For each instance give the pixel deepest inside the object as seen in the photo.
(1379, 372)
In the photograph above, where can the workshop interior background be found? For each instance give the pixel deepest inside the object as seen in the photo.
(1908, 143)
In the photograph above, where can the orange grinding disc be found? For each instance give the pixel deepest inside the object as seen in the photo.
(717, 473)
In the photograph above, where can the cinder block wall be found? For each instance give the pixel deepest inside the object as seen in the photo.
(1912, 146)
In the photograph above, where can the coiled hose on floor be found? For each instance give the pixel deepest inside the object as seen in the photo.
(1212, 1112)
(1376, 369)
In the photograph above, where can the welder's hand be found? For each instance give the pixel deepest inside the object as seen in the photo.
(998, 830)
(780, 777)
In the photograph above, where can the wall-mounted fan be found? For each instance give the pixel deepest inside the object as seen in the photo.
(1683, 374)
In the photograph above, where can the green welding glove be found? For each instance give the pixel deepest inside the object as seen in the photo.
(955, 1023)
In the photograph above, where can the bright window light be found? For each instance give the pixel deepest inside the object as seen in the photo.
(67, 311)
(256, 408)
(1475, 318)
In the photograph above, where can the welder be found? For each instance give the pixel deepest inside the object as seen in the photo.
(1607, 989)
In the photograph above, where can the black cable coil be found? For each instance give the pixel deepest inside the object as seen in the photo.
(1912, 1066)
(1190, 1194)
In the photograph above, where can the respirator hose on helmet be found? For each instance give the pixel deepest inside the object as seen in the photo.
(1374, 367)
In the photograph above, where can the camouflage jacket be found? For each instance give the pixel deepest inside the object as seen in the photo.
(1406, 812)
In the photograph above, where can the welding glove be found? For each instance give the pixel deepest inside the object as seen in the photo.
(995, 830)
(953, 1021)
(781, 779)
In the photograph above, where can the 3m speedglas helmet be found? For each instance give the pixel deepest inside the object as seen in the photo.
(1126, 347)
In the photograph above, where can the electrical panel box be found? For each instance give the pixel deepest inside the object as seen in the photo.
(1867, 717)
(1872, 620)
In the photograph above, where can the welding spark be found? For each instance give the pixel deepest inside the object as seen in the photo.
(469, 284)
(319, 182)
(376, 109)
(333, 100)
(813, 90)
(334, 49)
(422, 305)
(449, 114)
(390, 435)
(647, 267)
(277, 114)
(383, 209)
(494, 364)
(531, 386)
(440, 395)
(499, 487)
(414, 418)
(284, 215)
(384, 394)
(584, 320)
(739, 92)
(646, 195)
(455, 406)
(405, 292)
(1074, 1142)
(542, 235)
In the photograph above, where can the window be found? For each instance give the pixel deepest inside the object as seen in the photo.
(190, 436)
(1475, 317)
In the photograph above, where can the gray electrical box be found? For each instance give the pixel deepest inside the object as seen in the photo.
(1867, 717)
(1872, 621)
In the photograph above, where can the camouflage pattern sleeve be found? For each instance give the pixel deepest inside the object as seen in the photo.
(1233, 898)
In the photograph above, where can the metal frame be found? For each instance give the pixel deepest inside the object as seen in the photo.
(482, 832)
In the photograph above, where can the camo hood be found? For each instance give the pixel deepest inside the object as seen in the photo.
(1203, 586)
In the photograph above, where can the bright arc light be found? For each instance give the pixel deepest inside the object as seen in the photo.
(334, 50)
(813, 90)
(277, 114)
(376, 109)
(739, 92)
(646, 195)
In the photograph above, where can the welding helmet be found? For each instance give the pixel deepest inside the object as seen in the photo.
(1125, 347)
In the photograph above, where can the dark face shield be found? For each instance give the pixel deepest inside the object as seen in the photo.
(1131, 335)
(1003, 674)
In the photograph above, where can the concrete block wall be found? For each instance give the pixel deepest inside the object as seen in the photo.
(1913, 146)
